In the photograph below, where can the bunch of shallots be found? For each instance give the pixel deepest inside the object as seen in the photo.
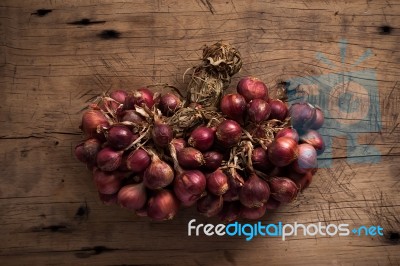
(238, 157)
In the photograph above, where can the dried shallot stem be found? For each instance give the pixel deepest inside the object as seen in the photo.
(209, 79)
(111, 119)
(233, 171)
(184, 119)
(248, 135)
(249, 151)
(106, 101)
(204, 88)
(213, 118)
(222, 59)
(166, 85)
(232, 165)
(144, 136)
(172, 151)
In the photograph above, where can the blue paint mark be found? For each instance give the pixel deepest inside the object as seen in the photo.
(321, 57)
(362, 58)
(343, 47)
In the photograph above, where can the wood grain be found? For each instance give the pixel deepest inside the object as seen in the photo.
(55, 56)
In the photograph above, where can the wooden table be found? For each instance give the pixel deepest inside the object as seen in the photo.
(57, 55)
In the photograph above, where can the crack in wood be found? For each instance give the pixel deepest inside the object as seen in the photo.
(87, 252)
(21, 137)
(58, 228)
(42, 12)
(86, 22)
(208, 5)
(109, 34)
(82, 213)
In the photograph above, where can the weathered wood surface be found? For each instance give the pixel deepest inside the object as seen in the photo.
(56, 55)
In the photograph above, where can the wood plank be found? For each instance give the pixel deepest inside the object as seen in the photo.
(53, 63)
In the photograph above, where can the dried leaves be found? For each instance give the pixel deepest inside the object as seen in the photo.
(208, 81)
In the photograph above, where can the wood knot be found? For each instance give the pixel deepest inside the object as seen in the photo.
(42, 12)
(109, 34)
(385, 30)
